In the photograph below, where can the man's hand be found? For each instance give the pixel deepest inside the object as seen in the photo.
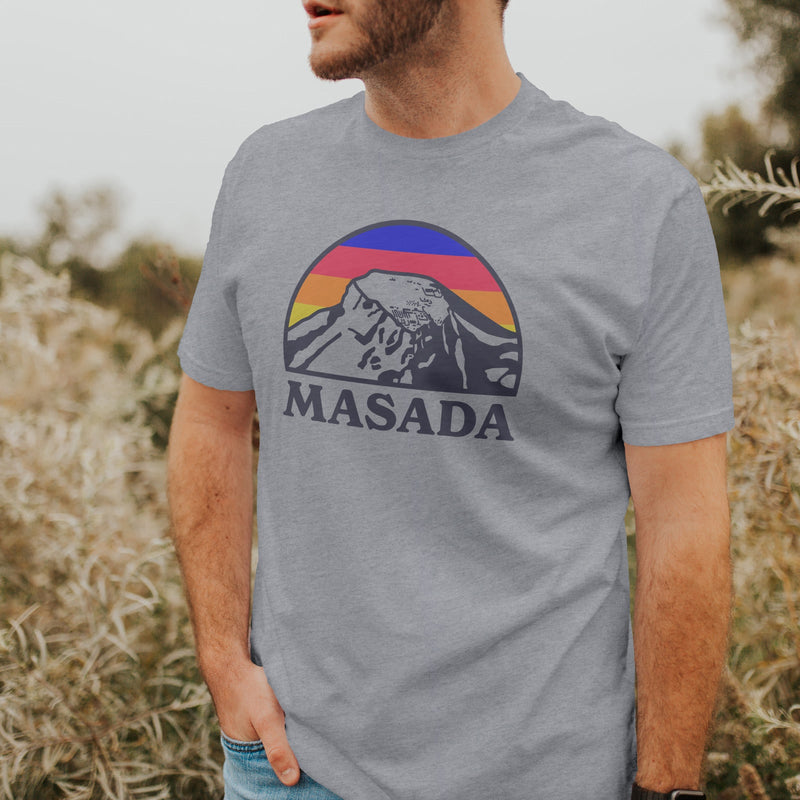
(210, 467)
(248, 710)
(682, 603)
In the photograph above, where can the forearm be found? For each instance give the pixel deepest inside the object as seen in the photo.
(681, 622)
(211, 506)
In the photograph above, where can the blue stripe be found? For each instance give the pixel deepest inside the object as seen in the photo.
(408, 239)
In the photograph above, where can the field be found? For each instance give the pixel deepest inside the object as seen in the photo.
(99, 692)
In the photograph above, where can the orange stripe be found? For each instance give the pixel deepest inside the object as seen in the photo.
(321, 290)
(492, 304)
(324, 291)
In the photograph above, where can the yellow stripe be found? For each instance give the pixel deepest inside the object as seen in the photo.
(301, 311)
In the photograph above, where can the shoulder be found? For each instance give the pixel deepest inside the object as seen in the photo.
(291, 136)
(609, 154)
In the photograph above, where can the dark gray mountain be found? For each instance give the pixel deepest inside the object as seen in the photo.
(409, 330)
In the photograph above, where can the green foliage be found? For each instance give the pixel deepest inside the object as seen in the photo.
(739, 230)
(147, 282)
(771, 28)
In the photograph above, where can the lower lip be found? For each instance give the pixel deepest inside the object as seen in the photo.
(326, 19)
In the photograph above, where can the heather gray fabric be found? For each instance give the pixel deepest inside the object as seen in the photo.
(449, 340)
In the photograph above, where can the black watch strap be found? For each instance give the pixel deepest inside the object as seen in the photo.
(638, 793)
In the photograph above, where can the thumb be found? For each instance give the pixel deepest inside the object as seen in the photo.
(281, 757)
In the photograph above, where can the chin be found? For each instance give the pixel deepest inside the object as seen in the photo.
(333, 66)
(328, 71)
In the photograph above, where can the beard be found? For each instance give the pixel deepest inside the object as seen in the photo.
(388, 28)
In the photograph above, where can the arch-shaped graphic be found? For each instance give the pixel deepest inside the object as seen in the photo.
(405, 303)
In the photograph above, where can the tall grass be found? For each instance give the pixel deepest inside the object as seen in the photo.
(757, 738)
(99, 692)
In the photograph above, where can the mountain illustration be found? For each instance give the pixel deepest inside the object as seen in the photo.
(404, 329)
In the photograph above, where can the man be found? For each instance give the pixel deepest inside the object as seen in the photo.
(474, 321)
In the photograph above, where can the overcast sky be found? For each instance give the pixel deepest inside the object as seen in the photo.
(154, 97)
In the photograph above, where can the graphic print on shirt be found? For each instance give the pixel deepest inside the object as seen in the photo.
(408, 304)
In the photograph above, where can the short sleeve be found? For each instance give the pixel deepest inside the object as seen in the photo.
(676, 383)
(212, 350)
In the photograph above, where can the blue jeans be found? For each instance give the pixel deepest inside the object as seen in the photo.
(248, 775)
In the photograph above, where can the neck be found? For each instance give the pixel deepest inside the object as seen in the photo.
(455, 80)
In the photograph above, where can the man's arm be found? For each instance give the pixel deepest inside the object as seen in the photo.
(210, 487)
(681, 605)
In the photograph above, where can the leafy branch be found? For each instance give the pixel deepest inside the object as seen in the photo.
(736, 185)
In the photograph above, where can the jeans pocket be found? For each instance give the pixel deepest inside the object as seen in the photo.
(248, 775)
(247, 772)
(241, 746)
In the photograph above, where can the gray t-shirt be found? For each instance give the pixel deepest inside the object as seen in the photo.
(449, 340)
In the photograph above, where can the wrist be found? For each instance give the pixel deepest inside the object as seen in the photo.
(665, 763)
(220, 666)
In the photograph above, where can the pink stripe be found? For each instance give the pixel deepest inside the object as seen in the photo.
(455, 272)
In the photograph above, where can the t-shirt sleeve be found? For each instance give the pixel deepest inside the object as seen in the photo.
(212, 350)
(676, 383)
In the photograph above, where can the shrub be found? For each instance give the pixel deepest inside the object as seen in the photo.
(99, 692)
